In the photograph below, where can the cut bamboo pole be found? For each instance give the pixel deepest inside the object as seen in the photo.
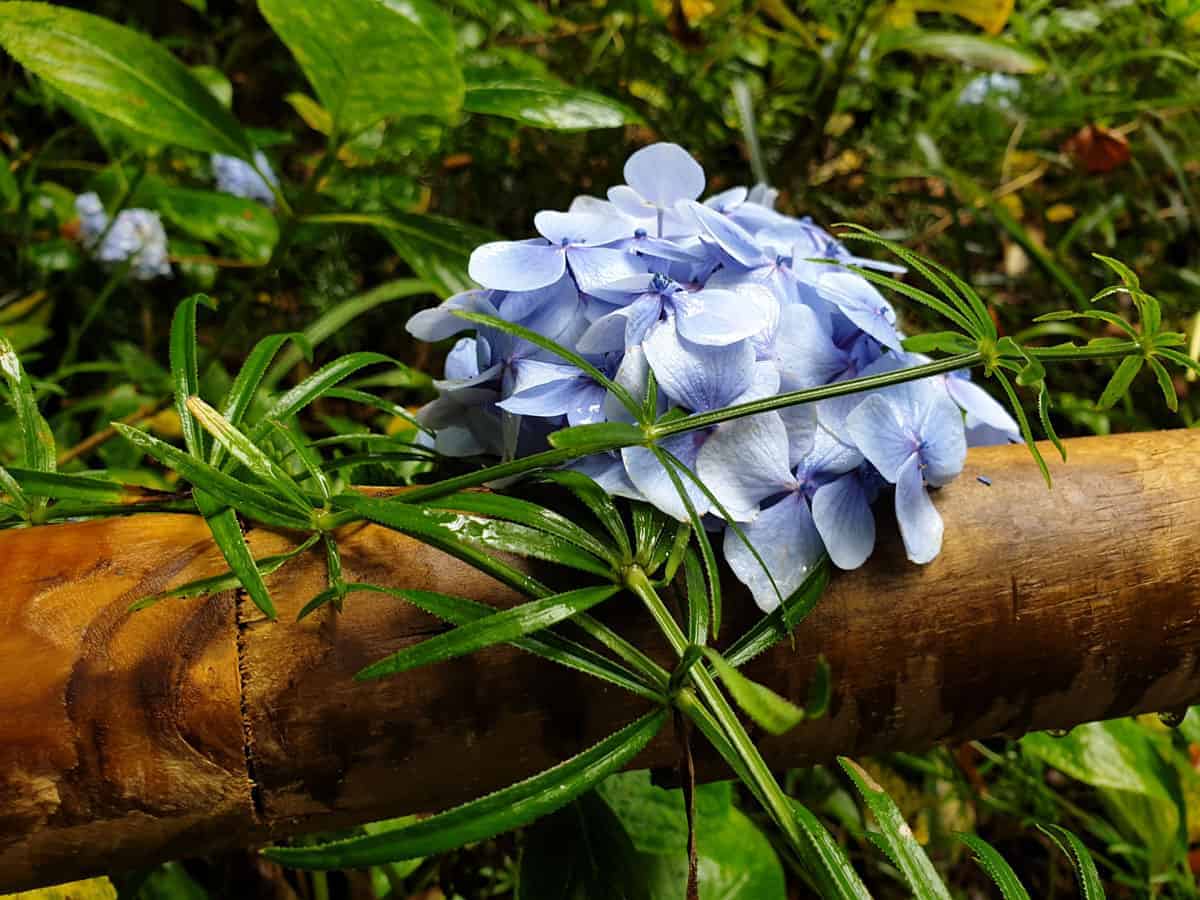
(196, 725)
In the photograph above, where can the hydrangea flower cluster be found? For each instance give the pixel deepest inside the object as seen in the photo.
(136, 235)
(723, 302)
(239, 178)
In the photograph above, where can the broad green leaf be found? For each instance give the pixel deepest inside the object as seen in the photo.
(436, 248)
(581, 852)
(548, 644)
(896, 838)
(1090, 887)
(545, 104)
(223, 488)
(517, 805)
(121, 74)
(774, 713)
(655, 817)
(971, 50)
(525, 513)
(219, 583)
(1118, 385)
(338, 317)
(249, 454)
(500, 628)
(996, 866)
(372, 59)
(246, 226)
(37, 441)
(1121, 760)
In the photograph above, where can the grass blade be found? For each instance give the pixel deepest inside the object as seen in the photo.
(777, 625)
(1090, 887)
(504, 810)
(996, 866)
(503, 627)
(227, 532)
(185, 373)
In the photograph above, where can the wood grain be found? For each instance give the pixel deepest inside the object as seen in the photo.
(195, 725)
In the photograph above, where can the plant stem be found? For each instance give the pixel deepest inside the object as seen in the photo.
(93, 311)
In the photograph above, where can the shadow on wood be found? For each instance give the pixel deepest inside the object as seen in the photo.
(126, 739)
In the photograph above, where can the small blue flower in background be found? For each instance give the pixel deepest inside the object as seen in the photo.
(136, 235)
(722, 301)
(239, 178)
(997, 88)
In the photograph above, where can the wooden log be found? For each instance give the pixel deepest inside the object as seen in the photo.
(197, 725)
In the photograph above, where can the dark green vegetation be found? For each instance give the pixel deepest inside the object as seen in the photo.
(455, 126)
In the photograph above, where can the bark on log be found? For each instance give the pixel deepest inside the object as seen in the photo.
(196, 725)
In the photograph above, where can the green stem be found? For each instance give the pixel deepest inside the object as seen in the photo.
(777, 803)
(93, 311)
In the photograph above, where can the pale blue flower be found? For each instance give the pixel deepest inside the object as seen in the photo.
(913, 434)
(136, 235)
(657, 178)
(239, 178)
(92, 218)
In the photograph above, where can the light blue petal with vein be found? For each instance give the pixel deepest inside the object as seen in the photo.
(861, 304)
(920, 525)
(595, 268)
(745, 462)
(806, 354)
(716, 318)
(787, 540)
(562, 228)
(842, 513)
(697, 377)
(652, 480)
(885, 437)
(517, 265)
(439, 323)
(663, 174)
(734, 240)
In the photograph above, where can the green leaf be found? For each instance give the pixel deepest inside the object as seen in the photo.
(437, 249)
(697, 599)
(774, 713)
(1090, 887)
(580, 852)
(896, 837)
(1121, 760)
(547, 644)
(223, 488)
(341, 314)
(249, 378)
(121, 74)
(503, 627)
(942, 341)
(995, 865)
(372, 59)
(314, 387)
(219, 583)
(12, 489)
(777, 625)
(655, 817)
(971, 50)
(37, 440)
(517, 805)
(315, 116)
(597, 500)
(249, 454)
(1164, 384)
(444, 531)
(246, 226)
(227, 532)
(10, 191)
(184, 368)
(826, 860)
(74, 487)
(545, 104)
(529, 514)
(601, 435)
(1119, 384)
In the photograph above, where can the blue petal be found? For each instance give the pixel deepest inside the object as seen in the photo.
(544, 389)
(462, 362)
(649, 476)
(802, 429)
(562, 228)
(920, 525)
(608, 471)
(805, 352)
(630, 203)
(787, 540)
(664, 174)
(746, 461)
(862, 305)
(439, 323)
(877, 429)
(606, 334)
(517, 265)
(624, 289)
(843, 517)
(728, 200)
(729, 236)
(520, 306)
(587, 406)
(595, 268)
(715, 318)
(943, 440)
(762, 290)
(982, 408)
(694, 376)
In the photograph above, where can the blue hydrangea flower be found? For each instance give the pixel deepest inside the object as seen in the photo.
(722, 301)
(136, 235)
(239, 178)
